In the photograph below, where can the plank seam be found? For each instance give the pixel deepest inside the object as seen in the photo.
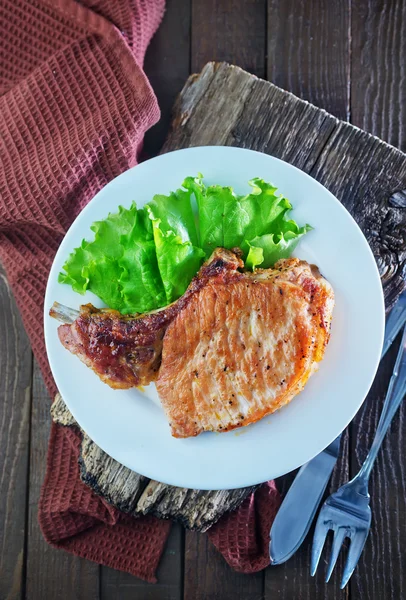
(27, 498)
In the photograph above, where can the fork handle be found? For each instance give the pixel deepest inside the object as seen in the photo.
(394, 396)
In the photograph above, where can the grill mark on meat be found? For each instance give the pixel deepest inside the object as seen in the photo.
(244, 373)
(219, 354)
(268, 353)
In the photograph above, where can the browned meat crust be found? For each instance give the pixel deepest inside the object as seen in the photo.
(125, 351)
(244, 347)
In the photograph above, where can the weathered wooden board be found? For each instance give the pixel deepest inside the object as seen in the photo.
(15, 405)
(167, 64)
(378, 69)
(378, 104)
(50, 573)
(309, 51)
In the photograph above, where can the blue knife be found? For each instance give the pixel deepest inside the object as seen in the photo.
(394, 323)
(300, 504)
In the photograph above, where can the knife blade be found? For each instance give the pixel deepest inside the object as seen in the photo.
(394, 323)
(300, 504)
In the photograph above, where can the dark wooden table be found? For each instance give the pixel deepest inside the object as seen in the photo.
(349, 57)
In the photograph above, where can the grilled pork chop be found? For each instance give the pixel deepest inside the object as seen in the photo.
(244, 346)
(125, 351)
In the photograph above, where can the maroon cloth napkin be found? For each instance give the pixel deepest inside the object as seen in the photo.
(74, 107)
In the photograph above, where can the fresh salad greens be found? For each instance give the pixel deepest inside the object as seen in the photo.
(143, 259)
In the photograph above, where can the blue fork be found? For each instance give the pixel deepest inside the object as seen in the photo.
(347, 512)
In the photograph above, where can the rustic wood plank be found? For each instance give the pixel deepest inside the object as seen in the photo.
(385, 545)
(50, 573)
(309, 51)
(15, 402)
(224, 105)
(207, 575)
(167, 66)
(378, 104)
(378, 66)
(363, 172)
(231, 31)
(116, 585)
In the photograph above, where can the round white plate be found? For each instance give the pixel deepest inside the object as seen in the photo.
(131, 426)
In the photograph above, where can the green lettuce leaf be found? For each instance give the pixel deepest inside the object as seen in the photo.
(103, 276)
(140, 282)
(178, 261)
(255, 256)
(176, 214)
(94, 265)
(143, 259)
(119, 265)
(176, 241)
(226, 219)
(73, 269)
(266, 250)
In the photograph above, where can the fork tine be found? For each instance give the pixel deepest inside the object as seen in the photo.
(319, 538)
(356, 546)
(339, 535)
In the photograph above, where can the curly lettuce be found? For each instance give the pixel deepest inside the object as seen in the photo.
(144, 259)
(176, 241)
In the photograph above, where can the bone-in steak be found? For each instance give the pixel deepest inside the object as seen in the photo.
(244, 346)
(125, 351)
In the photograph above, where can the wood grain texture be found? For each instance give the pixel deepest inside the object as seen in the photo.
(208, 576)
(385, 545)
(116, 585)
(137, 495)
(363, 172)
(51, 573)
(378, 104)
(224, 105)
(378, 69)
(15, 401)
(167, 66)
(309, 51)
(231, 31)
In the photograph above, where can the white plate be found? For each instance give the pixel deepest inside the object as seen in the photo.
(131, 426)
